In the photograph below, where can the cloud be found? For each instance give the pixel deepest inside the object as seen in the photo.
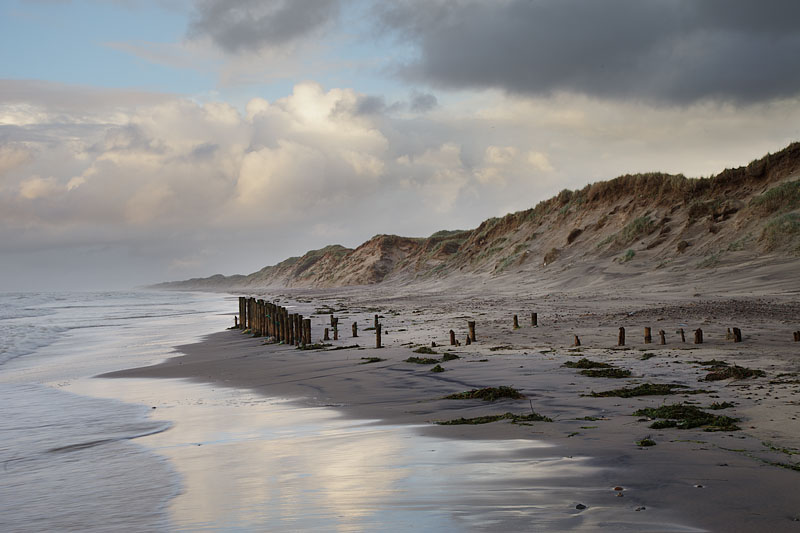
(151, 182)
(252, 25)
(674, 52)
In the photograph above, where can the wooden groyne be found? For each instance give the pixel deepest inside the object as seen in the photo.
(268, 319)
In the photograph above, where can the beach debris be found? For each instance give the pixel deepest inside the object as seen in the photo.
(698, 336)
(648, 338)
(488, 394)
(683, 416)
(618, 489)
(471, 326)
(640, 508)
(647, 355)
(621, 337)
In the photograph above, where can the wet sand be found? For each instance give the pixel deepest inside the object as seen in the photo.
(719, 481)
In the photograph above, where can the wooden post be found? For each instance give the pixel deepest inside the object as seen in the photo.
(621, 337)
(376, 322)
(683, 335)
(516, 322)
(698, 336)
(728, 335)
(662, 337)
(326, 337)
(737, 335)
(468, 341)
(306, 331)
(577, 341)
(378, 336)
(648, 338)
(241, 310)
(355, 329)
(797, 336)
(534, 320)
(335, 328)
(236, 322)
(471, 325)
(452, 338)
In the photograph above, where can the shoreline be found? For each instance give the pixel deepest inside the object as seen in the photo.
(689, 473)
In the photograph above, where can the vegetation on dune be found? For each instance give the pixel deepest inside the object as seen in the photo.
(487, 419)
(781, 230)
(784, 197)
(488, 394)
(683, 416)
(636, 228)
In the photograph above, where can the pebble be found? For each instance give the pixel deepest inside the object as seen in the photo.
(580, 507)
(618, 488)
(642, 508)
(698, 486)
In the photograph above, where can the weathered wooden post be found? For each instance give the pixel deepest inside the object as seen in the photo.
(516, 322)
(577, 341)
(378, 336)
(471, 325)
(683, 335)
(621, 337)
(737, 335)
(355, 329)
(662, 337)
(292, 332)
(376, 322)
(300, 336)
(236, 322)
(698, 336)
(797, 336)
(452, 338)
(335, 328)
(468, 341)
(534, 320)
(325, 337)
(307, 331)
(728, 335)
(241, 310)
(648, 338)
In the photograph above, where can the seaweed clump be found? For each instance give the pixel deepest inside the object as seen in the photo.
(488, 394)
(425, 349)
(515, 419)
(368, 360)
(422, 360)
(735, 372)
(607, 373)
(586, 364)
(449, 357)
(646, 389)
(684, 416)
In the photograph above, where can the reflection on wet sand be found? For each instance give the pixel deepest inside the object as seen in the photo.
(252, 463)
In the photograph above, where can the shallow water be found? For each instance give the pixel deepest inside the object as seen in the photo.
(91, 454)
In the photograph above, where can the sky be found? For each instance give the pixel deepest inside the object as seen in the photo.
(144, 141)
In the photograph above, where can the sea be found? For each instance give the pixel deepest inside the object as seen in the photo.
(84, 453)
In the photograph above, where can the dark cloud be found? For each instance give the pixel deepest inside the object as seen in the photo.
(249, 25)
(422, 102)
(673, 51)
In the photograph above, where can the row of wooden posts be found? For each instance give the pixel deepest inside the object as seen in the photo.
(267, 319)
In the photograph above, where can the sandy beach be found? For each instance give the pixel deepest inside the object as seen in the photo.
(729, 480)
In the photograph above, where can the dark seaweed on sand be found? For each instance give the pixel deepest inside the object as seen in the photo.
(488, 394)
(532, 417)
(683, 416)
(647, 389)
(586, 363)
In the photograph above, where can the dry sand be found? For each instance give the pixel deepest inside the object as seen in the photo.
(721, 481)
